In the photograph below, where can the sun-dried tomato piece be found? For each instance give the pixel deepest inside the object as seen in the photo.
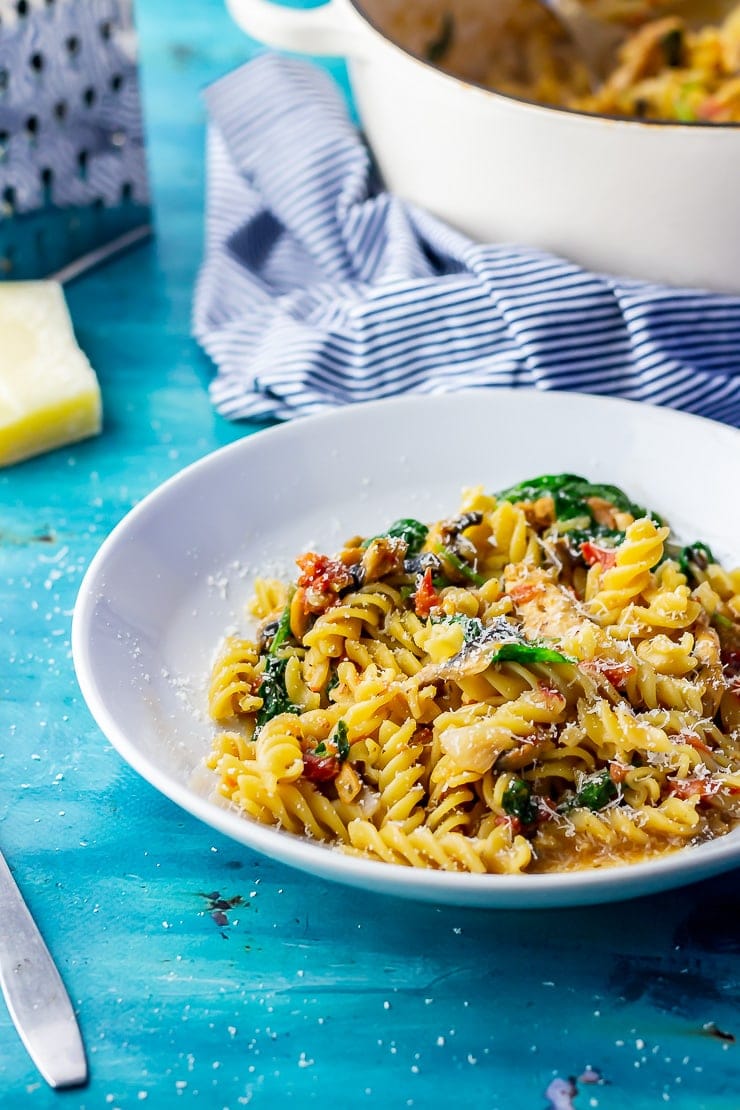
(687, 788)
(524, 592)
(320, 768)
(513, 822)
(592, 554)
(695, 742)
(322, 580)
(618, 772)
(614, 672)
(426, 597)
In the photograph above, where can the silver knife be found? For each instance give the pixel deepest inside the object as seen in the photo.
(37, 1000)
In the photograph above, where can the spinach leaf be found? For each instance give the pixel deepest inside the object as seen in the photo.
(569, 493)
(332, 683)
(534, 488)
(721, 621)
(272, 690)
(338, 739)
(596, 792)
(411, 531)
(517, 802)
(529, 653)
(460, 565)
(282, 632)
(606, 537)
(575, 494)
(339, 736)
(695, 556)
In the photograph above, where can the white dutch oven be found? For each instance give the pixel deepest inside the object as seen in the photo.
(659, 201)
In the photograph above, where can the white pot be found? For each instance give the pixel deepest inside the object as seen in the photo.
(659, 201)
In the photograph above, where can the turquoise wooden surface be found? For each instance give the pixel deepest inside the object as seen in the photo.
(301, 991)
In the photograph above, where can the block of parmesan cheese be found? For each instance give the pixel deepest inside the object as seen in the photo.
(49, 394)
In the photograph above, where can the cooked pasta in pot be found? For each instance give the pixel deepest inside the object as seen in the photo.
(544, 681)
(668, 68)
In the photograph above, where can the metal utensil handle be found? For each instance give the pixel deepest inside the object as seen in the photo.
(37, 1000)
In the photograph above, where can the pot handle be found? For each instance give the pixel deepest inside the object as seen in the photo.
(331, 29)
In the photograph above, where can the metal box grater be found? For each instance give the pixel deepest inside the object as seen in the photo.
(73, 182)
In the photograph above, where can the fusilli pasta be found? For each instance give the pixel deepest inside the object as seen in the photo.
(543, 682)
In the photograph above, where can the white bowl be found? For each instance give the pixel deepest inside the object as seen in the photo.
(175, 575)
(651, 200)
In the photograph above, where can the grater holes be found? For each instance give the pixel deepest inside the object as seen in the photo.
(116, 82)
(36, 61)
(32, 126)
(22, 8)
(83, 158)
(7, 201)
(127, 192)
(106, 30)
(60, 110)
(89, 96)
(47, 178)
(4, 79)
(72, 45)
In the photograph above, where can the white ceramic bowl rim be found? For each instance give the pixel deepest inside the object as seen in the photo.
(556, 108)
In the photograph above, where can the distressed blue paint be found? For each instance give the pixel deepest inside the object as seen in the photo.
(312, 993)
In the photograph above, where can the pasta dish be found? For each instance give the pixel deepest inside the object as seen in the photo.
(670, 67)
(544, 681)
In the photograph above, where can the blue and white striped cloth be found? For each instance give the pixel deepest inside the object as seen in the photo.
(318, 288)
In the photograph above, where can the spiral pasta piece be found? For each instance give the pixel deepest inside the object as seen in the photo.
(640, 551)
(232, 691)
(278, 753)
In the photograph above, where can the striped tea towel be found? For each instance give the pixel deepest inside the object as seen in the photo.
(319, 288)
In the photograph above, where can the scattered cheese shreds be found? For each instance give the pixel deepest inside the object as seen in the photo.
(49, 394)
